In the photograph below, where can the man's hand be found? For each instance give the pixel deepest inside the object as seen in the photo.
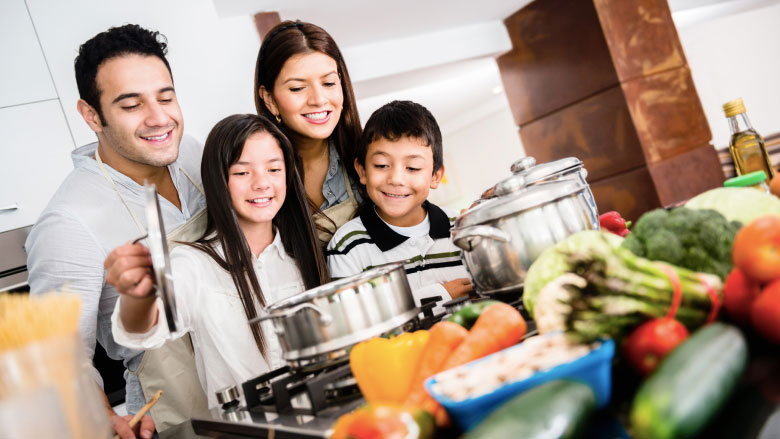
(458, 287)
(129, 270)
(143, 429)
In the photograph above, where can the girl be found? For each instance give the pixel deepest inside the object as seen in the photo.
(258, 248)
(301, 81)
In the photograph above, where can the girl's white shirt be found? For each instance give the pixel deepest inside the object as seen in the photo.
(210, 309)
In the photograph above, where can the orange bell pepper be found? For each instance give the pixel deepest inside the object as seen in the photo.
(385, 368)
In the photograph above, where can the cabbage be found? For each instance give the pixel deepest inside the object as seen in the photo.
(741, 204)
(551, 263)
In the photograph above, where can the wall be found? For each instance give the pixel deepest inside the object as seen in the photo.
(477, 156)
(736, 56)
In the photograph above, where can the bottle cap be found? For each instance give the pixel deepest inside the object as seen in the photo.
(733, 108)
(750, 179)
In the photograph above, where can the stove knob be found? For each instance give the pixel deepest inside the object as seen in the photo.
(228, 396)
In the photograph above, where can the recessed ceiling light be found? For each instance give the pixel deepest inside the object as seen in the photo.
(497, 90)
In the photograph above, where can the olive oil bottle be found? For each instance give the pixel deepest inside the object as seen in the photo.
(746, 145)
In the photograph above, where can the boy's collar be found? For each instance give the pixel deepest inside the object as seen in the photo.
(387, 239)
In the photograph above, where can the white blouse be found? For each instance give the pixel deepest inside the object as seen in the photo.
(209, 307)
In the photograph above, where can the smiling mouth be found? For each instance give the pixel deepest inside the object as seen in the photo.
(160, 138)
(260, 201)
(395, 196)
(320, 116)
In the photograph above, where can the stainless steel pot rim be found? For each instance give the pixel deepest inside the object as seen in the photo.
(530, 197)
(336, 286)
(353, 338)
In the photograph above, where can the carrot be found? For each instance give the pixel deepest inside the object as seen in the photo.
(498, 327)
(443, 338)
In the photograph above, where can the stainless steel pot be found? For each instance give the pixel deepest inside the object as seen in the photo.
(318, 326)
(502, 236)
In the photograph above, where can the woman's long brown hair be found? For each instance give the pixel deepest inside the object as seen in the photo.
(293, 222)
(290, 38)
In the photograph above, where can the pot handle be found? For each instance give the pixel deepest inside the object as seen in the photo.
(325, 318)
(469, 237)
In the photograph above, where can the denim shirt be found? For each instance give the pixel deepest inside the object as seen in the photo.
(334, 189)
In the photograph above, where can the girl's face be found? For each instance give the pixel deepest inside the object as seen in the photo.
(257, 182)
(307, 95)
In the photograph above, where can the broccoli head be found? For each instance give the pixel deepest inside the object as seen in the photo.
(696, 239)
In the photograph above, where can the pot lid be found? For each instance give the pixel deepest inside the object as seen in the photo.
(526, 172)
(523, 199)
(158, 249)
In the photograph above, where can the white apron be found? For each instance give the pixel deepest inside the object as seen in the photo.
(171, 368)
(339, 214)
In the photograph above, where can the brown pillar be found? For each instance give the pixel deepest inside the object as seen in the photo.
(607, 81)
(265, 21)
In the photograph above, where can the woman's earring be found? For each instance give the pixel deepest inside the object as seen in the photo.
(278, 119)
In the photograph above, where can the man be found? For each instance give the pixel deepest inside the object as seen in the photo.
(128, 100)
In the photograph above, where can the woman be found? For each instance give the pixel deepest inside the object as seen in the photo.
(301, 81)
(258, 248)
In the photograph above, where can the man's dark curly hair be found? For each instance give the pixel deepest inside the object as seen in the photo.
(130, 39)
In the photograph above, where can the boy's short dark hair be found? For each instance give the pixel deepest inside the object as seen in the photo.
(398, 119)
(130, 39)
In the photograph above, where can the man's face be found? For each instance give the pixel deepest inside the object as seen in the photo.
(143, 121)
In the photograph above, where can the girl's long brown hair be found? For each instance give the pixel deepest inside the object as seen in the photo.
(290, 38)
(293, 222)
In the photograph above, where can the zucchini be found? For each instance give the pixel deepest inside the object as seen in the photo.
(555, 409)
(691, 384)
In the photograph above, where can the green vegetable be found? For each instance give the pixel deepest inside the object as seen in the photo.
(699, 240)
(691, 384)
(469, 314)
(556, 409)
(611, 291)
(551, 263)
(736, 203)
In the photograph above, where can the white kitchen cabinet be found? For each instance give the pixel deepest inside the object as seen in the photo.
(35, 151)
(24, 76)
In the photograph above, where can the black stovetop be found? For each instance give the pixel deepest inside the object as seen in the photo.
(292, 404)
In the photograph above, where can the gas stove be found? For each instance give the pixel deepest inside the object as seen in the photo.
(304, 403)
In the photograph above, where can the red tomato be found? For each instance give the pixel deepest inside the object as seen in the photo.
(649, 343)
(738, 294)
(765, 312)
(757, 249)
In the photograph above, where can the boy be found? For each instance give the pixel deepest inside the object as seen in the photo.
(399, 160)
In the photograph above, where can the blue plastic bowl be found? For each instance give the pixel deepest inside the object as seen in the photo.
(593, 369)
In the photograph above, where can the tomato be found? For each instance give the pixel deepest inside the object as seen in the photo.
(649, 343)
(738, 294)
(765, 312)
(757, 249)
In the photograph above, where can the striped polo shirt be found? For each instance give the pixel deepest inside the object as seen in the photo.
(367, 241)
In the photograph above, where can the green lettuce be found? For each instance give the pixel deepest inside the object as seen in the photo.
(736, 203)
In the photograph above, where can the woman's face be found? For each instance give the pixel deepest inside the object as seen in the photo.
(257, 182)
(307, 95)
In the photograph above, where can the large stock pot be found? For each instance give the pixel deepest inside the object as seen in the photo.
(318, 326)
(535, 208)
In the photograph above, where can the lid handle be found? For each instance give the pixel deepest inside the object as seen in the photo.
(523, 164)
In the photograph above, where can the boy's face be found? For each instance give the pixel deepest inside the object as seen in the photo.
(398, 175)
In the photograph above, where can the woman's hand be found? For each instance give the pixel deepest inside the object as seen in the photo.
(458, 287)
(129, 270)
